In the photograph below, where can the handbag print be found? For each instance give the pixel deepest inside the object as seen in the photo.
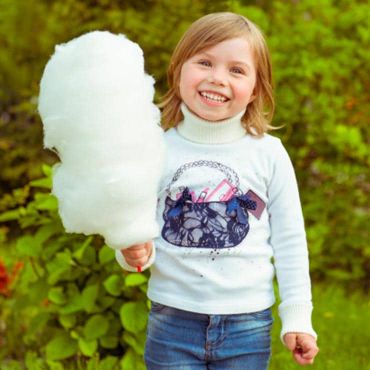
(213, 224)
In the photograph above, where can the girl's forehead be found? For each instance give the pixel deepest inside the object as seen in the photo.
(232, 44)
(235, 49)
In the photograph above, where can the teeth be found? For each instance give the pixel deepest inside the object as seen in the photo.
(214, 97)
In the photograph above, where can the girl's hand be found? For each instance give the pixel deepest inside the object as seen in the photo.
(303, 347)
(138, 255)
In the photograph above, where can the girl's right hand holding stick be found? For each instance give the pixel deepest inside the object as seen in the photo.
(138, 255)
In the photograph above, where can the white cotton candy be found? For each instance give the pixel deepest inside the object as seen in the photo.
(96, 105)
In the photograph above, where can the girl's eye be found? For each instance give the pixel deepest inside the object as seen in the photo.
(205, 63)
(237, 70)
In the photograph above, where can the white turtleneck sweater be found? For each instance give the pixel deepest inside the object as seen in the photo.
(216, 254)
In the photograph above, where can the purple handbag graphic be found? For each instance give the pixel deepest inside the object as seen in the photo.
(191, 221)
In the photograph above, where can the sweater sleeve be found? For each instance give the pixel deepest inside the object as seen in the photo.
(122, 261)
(288, 239)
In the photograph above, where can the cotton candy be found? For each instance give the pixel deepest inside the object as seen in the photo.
(96, 105)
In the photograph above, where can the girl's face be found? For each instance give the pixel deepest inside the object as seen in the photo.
(217, 83)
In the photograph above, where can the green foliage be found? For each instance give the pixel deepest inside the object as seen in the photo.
(155, 25)
(319, 49)
(133, 316)
(71, 295)
(60, 347)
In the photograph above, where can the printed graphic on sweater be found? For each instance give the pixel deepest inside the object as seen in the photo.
(215, 218)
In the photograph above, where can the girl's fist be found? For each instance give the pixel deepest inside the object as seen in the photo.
(138, 255)
(303, 347)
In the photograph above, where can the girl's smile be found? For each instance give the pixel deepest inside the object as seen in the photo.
(213, 98)
(218, 82)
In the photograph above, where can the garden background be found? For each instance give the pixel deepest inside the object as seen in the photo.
(65, 303)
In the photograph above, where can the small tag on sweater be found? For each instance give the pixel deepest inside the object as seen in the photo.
(260, 204)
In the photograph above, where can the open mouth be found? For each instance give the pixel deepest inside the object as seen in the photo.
(213, 97)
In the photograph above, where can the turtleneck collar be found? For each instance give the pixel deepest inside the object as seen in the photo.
(199, 130)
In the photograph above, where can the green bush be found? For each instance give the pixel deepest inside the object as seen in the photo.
(319, 49)
(72, 301)
(29, 32)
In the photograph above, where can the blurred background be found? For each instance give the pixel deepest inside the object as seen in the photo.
(64, 302)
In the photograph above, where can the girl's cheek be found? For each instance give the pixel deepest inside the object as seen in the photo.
(244, 90)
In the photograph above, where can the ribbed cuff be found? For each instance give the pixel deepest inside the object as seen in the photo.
(296, 319)
(122, 261)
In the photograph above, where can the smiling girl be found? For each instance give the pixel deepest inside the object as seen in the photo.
(229, 212)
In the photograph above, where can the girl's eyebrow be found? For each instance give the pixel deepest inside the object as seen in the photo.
(231, 62)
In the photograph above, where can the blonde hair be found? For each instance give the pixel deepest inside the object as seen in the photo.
(205, 33)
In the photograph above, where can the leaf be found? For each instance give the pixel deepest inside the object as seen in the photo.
(134, 316)
(28, 246)
(113, 284)
(134, 343)
(56, 295)
(93, 363)
(37, 323)
(89, 257)
(61, 347)
(54, 365)
(59, 267)
(95, 327)
(68, 321)
(89, 296)
(45, 202)
(108, 363)
(46, 170)
(106, 255)
(50, 250)
(79, 253)
(75, 334)
(88, 348)
(109, 342)
(143, 288)
(135, 279)
(106, 301)
(74, 305)
(46, 231)
(45, 183)
(131, 361)
(32, 362)
(10, 215)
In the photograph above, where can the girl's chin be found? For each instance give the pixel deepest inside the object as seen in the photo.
(213, 117)
(209, 113)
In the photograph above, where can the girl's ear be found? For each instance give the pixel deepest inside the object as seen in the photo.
(254, 93)
(253, 96)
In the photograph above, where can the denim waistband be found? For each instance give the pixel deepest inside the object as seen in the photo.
(168, 310)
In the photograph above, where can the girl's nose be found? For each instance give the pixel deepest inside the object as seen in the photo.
(217, 76)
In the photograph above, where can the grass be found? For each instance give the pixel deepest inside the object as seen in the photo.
(342, 323)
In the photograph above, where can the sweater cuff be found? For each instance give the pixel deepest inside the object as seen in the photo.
(122, 261)
(296, 319)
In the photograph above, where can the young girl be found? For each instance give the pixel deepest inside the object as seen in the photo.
(228, 204)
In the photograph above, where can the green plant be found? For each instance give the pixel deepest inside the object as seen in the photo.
(73, 299)
(318, 51)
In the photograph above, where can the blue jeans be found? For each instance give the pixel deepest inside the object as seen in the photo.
(183, 340)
